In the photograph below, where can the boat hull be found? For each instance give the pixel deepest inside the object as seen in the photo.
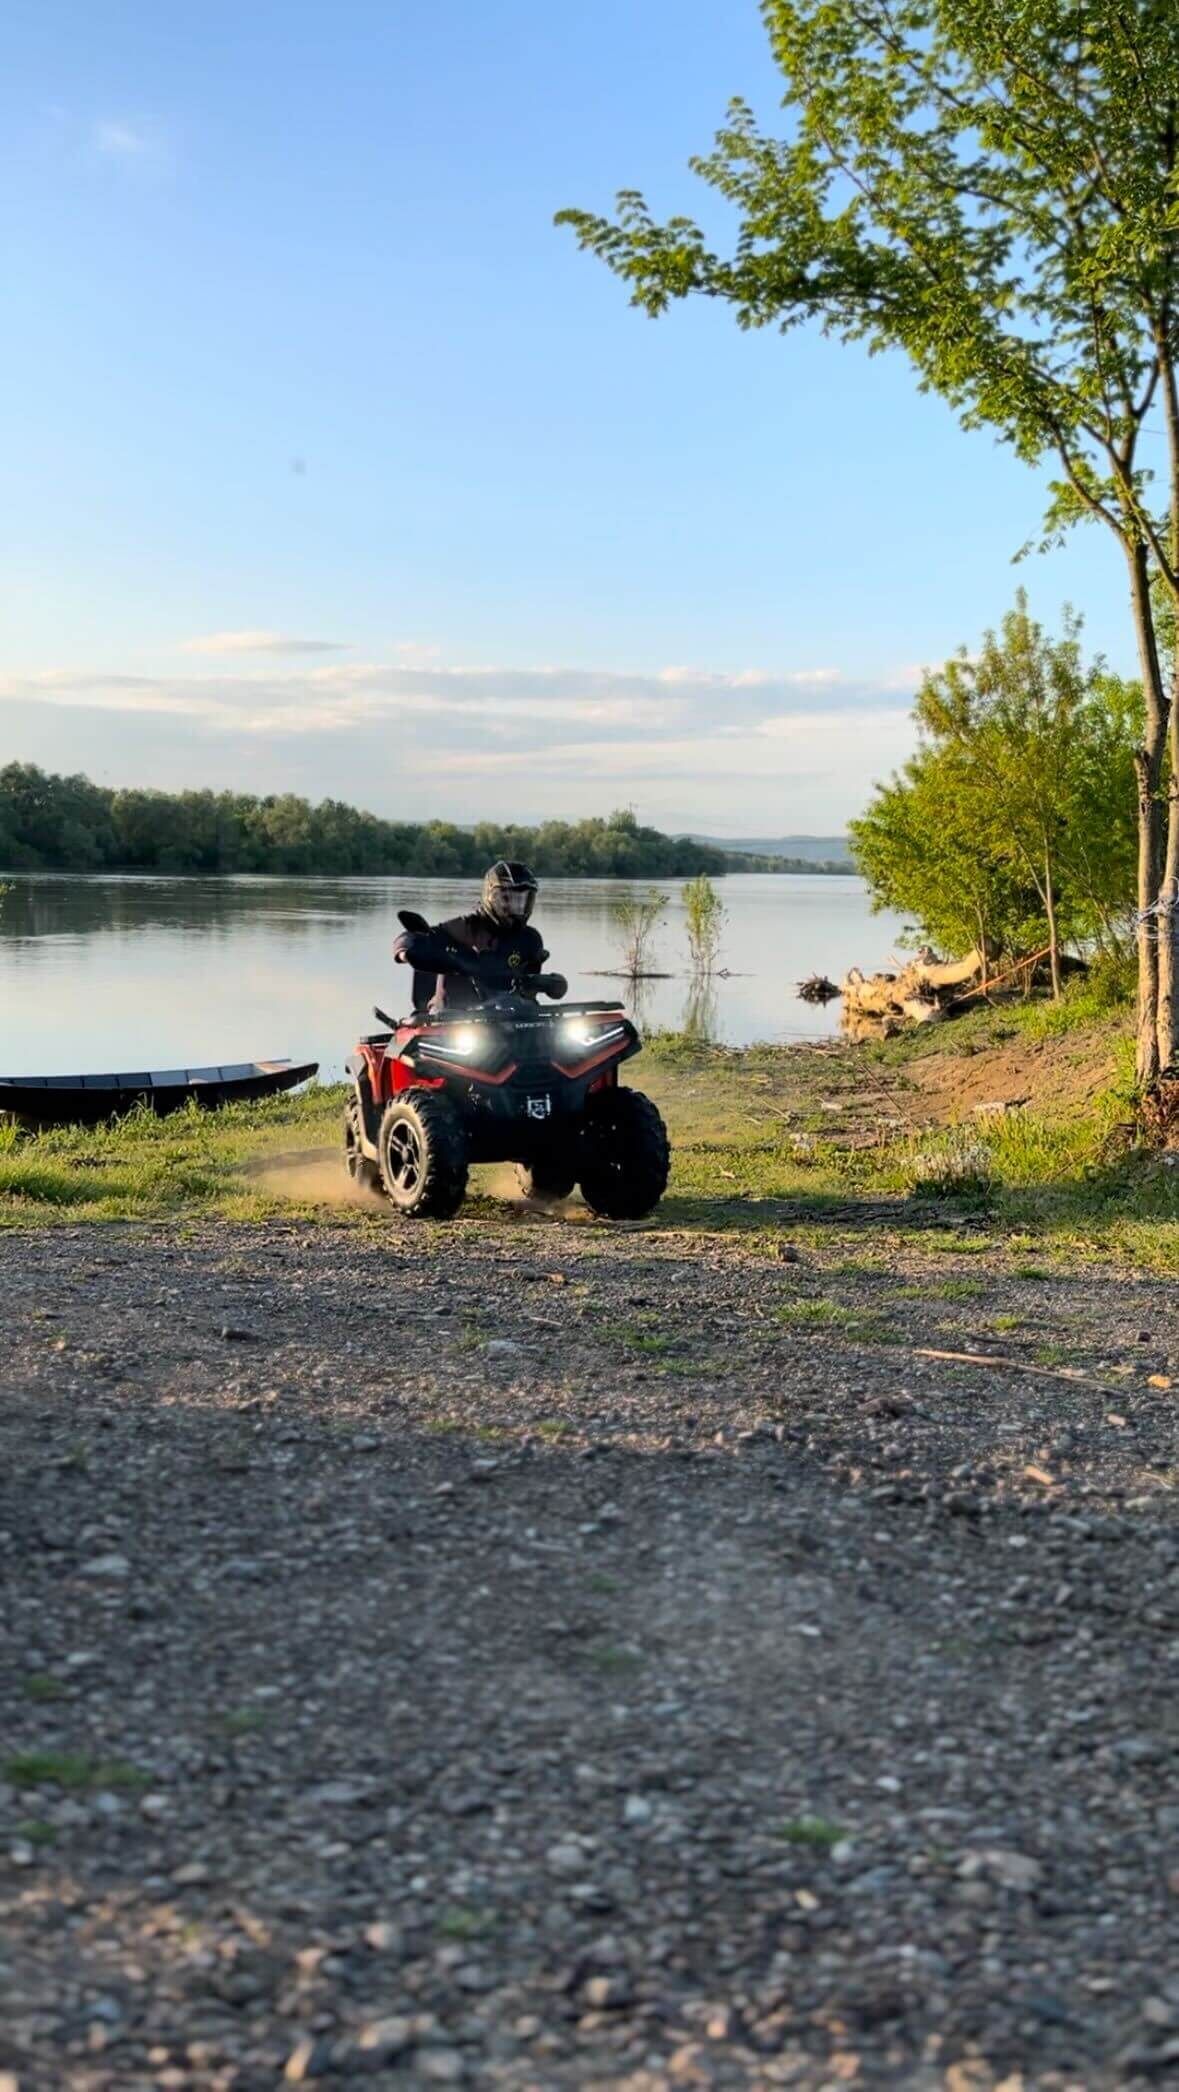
(86, 1100)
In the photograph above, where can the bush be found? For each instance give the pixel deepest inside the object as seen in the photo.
(955, 1165)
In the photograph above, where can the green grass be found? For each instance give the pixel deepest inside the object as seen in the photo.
(812, 1830)
(615, 1662)
(462, 1922)
(72, 1769)
(647, 1342)
(743, 1164)
(145, 1168)
(245, 1721)
(35, 1831)
(42, 1685)
(829, 1314)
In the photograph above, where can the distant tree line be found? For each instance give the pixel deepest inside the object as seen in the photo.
(50, 823)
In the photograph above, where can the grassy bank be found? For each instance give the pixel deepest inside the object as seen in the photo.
(823, 1140)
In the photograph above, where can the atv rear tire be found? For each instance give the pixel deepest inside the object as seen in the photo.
(363, 1172)
(626, 1157)
(423, 1156)
(546, 1180)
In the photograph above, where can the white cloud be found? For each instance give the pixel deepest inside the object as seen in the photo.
(754, 752)
(260, 641)
(119, 140)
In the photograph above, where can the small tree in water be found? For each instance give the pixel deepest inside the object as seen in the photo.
(705, 913)
(637, 917)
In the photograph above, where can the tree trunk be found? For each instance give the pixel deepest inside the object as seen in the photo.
(1148, 764)
(1053, 939)
(1167, 920)
(983, 953)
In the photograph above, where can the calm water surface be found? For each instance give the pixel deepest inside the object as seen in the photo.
(100, 974)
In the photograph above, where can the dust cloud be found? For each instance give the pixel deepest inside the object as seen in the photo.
(315, 1174)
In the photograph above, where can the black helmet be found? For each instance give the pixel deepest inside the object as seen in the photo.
(509, 892)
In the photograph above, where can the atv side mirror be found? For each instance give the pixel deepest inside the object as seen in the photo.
(411, 920)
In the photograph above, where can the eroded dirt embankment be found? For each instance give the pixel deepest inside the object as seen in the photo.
(530, 1655)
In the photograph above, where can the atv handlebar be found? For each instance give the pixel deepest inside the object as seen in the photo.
(427, 952)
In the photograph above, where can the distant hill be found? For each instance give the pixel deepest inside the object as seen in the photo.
(823, 851)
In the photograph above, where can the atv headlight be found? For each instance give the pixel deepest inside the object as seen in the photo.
(460, 1044)
(579, 1032)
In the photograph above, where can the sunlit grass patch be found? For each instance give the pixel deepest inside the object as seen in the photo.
(852, 1323)
(146, 1168)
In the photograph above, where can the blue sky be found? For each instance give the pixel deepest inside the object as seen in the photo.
(330, 465)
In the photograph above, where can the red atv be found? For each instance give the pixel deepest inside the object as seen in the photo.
(506, 1081)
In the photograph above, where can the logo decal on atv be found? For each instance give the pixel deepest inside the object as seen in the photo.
(539, 1107)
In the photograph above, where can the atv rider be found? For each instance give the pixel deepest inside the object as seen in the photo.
(497, 932)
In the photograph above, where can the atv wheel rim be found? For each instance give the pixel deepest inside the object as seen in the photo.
(403, 1163)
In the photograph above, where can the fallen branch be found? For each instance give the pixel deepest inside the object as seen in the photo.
(1018, 1365)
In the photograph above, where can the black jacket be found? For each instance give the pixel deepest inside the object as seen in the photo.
(513, 950)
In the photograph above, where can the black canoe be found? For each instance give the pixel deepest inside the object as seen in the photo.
(85, 1100)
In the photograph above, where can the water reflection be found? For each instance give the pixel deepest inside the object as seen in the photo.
(108, 972)
(701, 1016)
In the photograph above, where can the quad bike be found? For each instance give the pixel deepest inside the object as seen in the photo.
(506, 1081)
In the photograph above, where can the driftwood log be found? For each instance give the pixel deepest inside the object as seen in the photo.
(879, 1005)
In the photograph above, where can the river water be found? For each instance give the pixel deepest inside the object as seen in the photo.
(106, 973)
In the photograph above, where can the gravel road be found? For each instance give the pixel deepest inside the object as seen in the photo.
(525, 1654)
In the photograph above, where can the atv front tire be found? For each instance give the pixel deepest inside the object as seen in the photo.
(363, 1172)
(626, 1158)
(423, 1153)
(546, 1180)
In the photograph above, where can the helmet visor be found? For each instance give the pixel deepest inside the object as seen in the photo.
(514, 903)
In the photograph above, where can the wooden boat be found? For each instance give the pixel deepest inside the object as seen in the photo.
(85, 1100)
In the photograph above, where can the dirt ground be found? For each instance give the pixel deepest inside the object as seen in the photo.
(1069, 1071)
(531, 1655)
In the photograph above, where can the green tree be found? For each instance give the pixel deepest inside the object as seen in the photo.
(994, 191)
(1016, 815)
(919, 848)
(704, 913)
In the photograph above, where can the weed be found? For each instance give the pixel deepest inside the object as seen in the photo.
(464, 1922)
(607, 1656)
(244, 1721)
(811, 1830)
(1003, 1324)
(859, 1328)
(35, 1831)
(815, 1314)
(953, 1165)
(72, 1769)
(648, 1342)
(42, 1685)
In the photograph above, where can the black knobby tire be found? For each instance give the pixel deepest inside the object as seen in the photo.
(357, 1165)
(423, 1156)
(549, 1177)
(626, 1157)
